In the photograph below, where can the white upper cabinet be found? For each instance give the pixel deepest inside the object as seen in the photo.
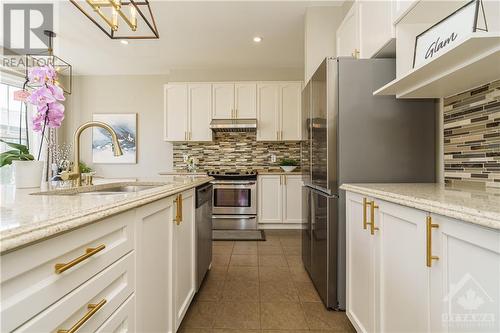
(348, 34)
(223, 101)
(291, 94)
(176, 112)
(188, 112)
(376, 30)
(190, 107)
(458, 64)
(268, 111)
(245, 100)
(200, 101)
(279, 111)
(399, 8)
(234, 100)
(367, 31)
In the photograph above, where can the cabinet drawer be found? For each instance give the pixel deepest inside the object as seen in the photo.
(29, 282)
(123, 320)
(110, 288)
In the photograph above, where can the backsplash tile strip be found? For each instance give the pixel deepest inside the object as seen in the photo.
(472, 137)
(234, 150)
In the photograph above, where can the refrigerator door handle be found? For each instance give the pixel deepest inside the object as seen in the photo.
(325, 194)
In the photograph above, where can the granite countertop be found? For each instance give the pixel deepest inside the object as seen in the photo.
(182, 173)
(28, 217)
(259, 172)
(277, 172)
(476, 206)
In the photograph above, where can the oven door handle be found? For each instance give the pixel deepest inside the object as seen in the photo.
(232, 183)
(240, 217)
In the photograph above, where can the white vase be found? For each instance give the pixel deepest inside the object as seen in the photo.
(28, 174)
(288, 168)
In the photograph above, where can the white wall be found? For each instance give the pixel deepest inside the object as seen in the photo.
(121, 94)
(142, 94)
(320, 25)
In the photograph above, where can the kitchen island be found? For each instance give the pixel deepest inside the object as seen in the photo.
(94, 257)
(427, 246)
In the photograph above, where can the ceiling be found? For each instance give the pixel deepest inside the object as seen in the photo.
(193, 35)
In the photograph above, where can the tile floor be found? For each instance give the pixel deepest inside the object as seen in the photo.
(260, 287)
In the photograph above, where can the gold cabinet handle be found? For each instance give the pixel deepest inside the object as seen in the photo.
(89, 252)
(93, 308)
(429, 256)
(372, 217)
(190, 135)
(285, 180)
(281, 135)
(365, 203)
(178, 213)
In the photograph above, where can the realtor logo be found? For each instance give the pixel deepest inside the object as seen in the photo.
(23, 26)
(470, 306)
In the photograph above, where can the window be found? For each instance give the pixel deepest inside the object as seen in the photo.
(10, 111)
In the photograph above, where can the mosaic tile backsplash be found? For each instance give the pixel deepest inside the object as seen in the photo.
(472, 137)
(234, 150)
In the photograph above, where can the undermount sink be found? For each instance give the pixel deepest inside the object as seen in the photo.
(103, 189)
(122, 189)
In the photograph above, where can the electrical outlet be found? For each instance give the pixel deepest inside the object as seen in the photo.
(273, 158)
(185, 157)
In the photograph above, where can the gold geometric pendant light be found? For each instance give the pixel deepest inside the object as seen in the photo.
(132, 19)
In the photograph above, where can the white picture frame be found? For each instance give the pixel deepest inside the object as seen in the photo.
(125, 126)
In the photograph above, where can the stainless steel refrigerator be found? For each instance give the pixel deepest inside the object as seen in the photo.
(351, 136)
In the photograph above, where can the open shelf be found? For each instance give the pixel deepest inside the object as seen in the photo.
(467, 65)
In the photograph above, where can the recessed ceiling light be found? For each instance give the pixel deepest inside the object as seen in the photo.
(124, 42)
(257, 39)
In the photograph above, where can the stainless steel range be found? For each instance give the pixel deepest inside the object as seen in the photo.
(234, 204)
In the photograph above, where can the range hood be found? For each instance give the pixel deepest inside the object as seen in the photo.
(234, 125)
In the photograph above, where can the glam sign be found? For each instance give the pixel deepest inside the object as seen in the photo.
(448, 33)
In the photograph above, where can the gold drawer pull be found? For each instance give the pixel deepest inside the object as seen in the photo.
(429, 256)
(365, 224)
(178, 214)
(372, 217)
(93, 308)
(88, 253)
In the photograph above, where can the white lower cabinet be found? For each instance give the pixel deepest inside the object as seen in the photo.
(280, 199)
(132, 272)
(154, 263)
(419, 272)
(465, 280)
(402, 275)
(90, 304)
(122, 320)
(360, 265)
(184, 260)
(270, 196)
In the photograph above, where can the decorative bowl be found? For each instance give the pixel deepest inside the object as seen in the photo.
(288, 168)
